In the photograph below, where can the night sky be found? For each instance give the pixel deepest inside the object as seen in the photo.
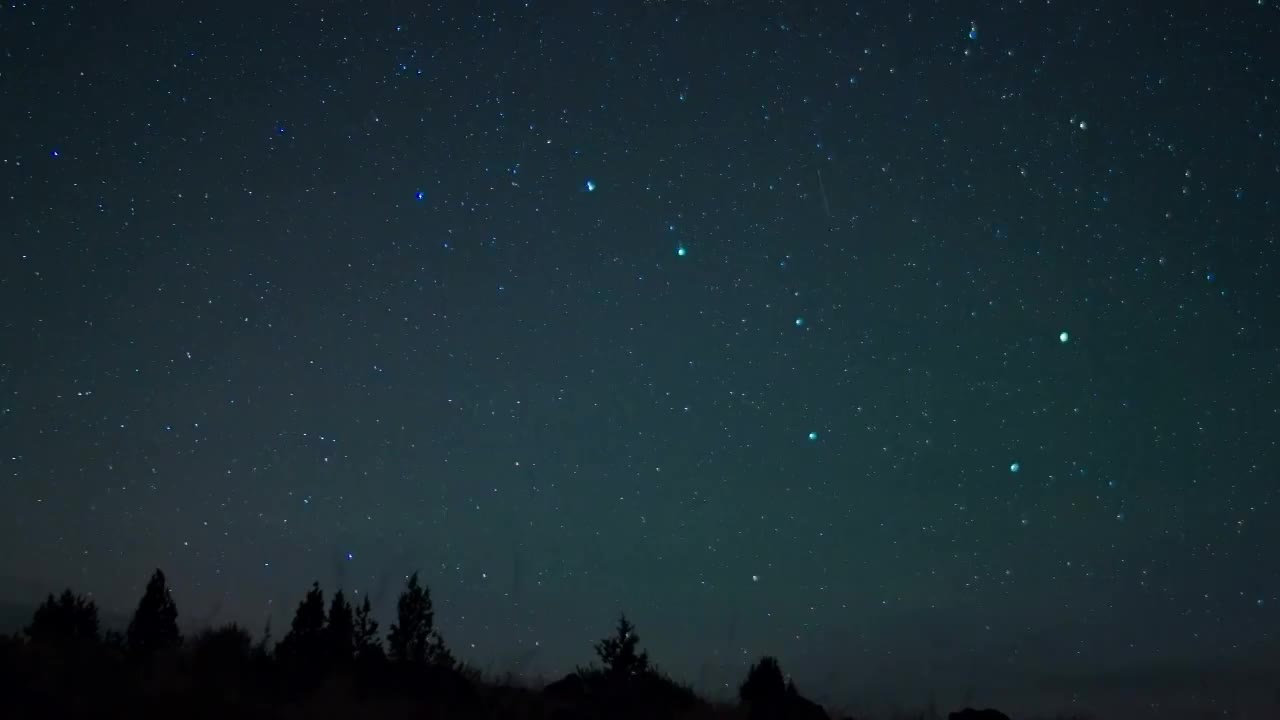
(929, 346)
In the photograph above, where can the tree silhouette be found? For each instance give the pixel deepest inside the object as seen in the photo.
(302, 651)
(66, 624)
(154, 627)
(767, 694)
(367, 644)
(618, 653)
(340, 632)
(413, 639)
(765, 685)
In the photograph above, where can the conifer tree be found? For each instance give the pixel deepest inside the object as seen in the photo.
(154, 627)
(618, 653)
(368, 646)
(413, 639)
(305, 641)
(340, 630)
(765, 688)
(68, 623)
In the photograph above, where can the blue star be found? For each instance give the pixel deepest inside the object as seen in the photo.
(591, 186)
(813, 437)
(681, 251)
(54, 153)
(420, 196)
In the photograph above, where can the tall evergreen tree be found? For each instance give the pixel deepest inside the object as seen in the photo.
(618, 653)
(305, 641)
(368, 646)
(340, 630)
(413, 639)
(154, 627)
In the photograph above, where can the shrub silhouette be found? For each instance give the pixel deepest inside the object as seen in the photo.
(221, 660)
(154, 627)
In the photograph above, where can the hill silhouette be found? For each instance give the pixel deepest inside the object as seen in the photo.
(334, 661)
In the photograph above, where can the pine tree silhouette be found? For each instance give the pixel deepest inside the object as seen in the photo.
(768, 694)
(765, 685)
(340, 632)
(154, 627)
(413, 639)
(618, 653)
(302, 651)
(66, 624)
(367, 644)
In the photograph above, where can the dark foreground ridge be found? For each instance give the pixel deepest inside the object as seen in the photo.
(334, 662)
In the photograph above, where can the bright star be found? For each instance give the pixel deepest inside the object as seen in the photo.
(591, 186)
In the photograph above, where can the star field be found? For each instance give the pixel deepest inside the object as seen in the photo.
(930, 347)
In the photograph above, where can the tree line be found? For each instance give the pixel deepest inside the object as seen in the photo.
(334, 658)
